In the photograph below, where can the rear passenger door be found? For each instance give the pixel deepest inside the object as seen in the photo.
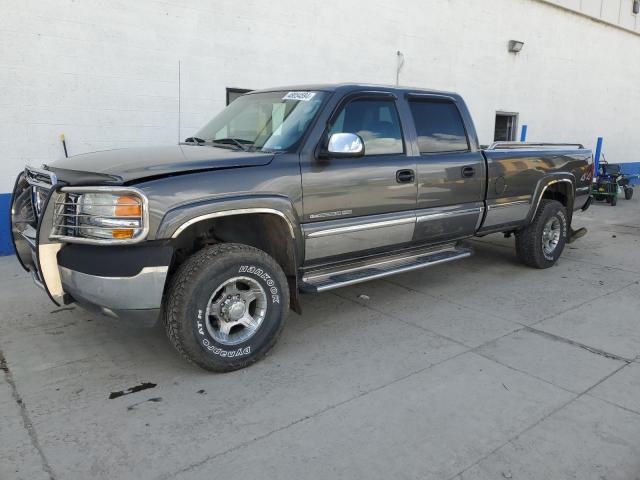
(450, 169)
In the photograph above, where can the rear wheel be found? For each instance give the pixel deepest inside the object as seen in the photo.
(226, 306)
(628, 193)
(540, 244)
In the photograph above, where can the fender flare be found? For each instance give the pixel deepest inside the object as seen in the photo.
(544, 183)
(179, 218)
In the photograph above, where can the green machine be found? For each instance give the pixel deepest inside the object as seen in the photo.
(610, 183)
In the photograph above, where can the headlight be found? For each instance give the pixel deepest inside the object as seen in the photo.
(100, 215)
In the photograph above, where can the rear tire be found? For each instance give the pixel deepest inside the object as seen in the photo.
(540, 244)
(628, 193)
(226, 306)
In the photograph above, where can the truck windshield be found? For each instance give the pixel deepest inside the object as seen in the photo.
(271, 121)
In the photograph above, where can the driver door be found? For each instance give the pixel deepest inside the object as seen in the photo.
(366, 203)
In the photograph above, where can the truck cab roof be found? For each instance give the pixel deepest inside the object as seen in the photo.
(344, 88)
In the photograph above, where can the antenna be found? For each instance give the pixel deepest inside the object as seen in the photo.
(400, 64)
(179, 101)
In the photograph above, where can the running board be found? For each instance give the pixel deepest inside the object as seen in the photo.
(361, 271)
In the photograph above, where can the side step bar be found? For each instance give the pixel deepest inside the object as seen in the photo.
(361, 271)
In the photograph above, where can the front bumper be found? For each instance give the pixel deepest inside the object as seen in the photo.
(135, 299)
(124, 282)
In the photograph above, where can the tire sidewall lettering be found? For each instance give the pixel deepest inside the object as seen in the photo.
(229, 351)
(563, 226)
(265, 277)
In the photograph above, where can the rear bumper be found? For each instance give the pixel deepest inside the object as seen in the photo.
(587, 204)
(582, 199)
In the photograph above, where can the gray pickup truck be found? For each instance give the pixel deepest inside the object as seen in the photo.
(287, 190)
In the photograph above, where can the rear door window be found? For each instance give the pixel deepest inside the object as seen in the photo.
(439, 126)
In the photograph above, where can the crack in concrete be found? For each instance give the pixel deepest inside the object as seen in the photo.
(199, 463)
(586, 302)
(409, 324)
(588, 348)
(614, 404)
(468, 349)
(593, 264)
(24, 414)
(524, 327)
(484, 355)
(445, 299)
(564, 257)
(460, 474)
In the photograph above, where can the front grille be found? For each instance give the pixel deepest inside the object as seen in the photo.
(40, 183)
(24, 212)
(66, 215)
(39, 177)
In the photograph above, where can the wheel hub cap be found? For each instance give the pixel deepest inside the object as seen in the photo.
(232, 312)
(551, 235)
(235, 311)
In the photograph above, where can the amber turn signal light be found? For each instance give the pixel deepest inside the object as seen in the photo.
(128, 206)
(122, 233)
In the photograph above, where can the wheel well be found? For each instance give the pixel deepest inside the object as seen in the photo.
(267, 232)
(557, 191)
(562, 192)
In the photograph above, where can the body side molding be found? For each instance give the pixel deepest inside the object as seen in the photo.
(227, 213)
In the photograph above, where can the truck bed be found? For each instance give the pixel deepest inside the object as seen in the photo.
(512, 168)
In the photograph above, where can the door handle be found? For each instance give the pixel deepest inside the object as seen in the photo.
(405, 176)
(468, 172)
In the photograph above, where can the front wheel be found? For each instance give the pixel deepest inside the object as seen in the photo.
(540, 244)
(628, 193)
(226, 306)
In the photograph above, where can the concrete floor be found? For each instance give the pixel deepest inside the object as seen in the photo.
(481, 369)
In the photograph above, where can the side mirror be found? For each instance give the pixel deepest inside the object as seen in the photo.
(345, 145)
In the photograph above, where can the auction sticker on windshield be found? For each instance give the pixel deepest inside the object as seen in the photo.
(301, 96)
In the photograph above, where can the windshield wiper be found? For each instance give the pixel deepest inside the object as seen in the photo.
(239, 142)
(194, 140)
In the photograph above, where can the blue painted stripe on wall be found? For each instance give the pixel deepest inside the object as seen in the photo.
(5, 240)
(631, 169)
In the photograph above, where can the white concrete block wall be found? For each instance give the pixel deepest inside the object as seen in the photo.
(105, 73)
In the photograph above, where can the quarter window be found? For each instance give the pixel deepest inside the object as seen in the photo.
(439, 126)
(376, 121)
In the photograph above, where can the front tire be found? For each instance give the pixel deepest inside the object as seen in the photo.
(540, 244)
(226, 306)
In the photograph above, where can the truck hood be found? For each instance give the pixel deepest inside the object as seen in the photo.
(125, 165)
